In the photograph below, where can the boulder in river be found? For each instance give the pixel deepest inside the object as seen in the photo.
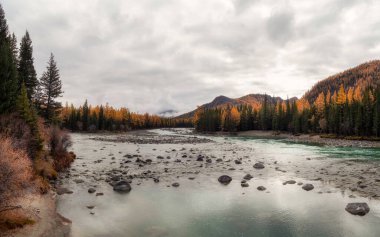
(259, 166)
(224, 179)
(308, 187)
(91, 190)
(61, 191)
(176, 185)
(248, 177)
(261, 188)
(244, 185)
(359, 209)
(122, 187)
(289, 182)
(238, 162)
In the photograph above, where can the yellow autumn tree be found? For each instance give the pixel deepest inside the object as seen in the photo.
(341, 97)
(302, 104)
(235, 116)
(328, 97)
(320, 103)
(350, 95)
(358, 94)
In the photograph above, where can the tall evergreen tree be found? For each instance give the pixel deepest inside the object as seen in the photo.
(85, 116)
(26, 71)
(8, 72)
(51, 89)
(29, 114)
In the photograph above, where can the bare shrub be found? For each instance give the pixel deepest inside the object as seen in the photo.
(15, 172)
(60, 141)
(14, 127)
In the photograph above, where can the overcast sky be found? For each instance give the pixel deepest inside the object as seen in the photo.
(155, 55)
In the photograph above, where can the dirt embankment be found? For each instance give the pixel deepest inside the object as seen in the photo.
(47, 222)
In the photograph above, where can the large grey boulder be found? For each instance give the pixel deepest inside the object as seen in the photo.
(359, 209)
(122, 187)
(308, 187)
(224, 179)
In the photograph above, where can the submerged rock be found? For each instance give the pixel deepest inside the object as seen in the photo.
(261, 188)
(61, 191)
(359, 209)
(289, 182)
(308, 187)
(224, 179)
(176, 185)
(122, 187)
(248, 177)
(244, 185)
(259, 166)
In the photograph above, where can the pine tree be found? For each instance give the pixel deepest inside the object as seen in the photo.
(14, 48)
(85, 116)
(29, 114)
(101, 118)
(26, 71)
(51, 88)
(23, 105)
(8, 72)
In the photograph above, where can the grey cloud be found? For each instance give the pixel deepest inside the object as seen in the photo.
(161, 55)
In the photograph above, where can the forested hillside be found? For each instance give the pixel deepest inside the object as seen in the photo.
(252, 100)
(33, 148)
(347, 104)
(359, 78)
(107, 118)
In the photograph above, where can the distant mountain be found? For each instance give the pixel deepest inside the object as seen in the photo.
(362, 75)
(167, 113)
(255, 100)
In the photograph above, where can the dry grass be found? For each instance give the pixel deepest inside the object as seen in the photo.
(15, 171)
(60, 141)
(14, 219)
(44, 167)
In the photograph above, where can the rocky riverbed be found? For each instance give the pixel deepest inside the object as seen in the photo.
(178, 159)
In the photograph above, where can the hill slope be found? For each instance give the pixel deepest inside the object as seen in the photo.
(362, 75)
(255, 100)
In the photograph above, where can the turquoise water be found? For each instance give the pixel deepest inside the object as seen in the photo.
(204, 208)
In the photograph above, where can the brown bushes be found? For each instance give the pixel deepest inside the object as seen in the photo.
(15, 172)
(14, 219)
(60, 141)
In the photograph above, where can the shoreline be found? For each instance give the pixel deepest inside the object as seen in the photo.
(312, 139)
(48, 222)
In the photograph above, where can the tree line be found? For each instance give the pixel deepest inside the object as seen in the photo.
(346, 112)
(107, 118)
(21, 91)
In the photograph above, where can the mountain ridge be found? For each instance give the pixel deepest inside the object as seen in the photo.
(363, 75)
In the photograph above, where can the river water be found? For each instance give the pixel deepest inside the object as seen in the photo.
(204, 208)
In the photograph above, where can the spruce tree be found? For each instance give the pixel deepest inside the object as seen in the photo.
(27, 112)
(85, 116)
(14, 48)
(26, 71)
(51, 89)
(8, 72)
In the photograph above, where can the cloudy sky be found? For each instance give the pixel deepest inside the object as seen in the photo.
(156, 55)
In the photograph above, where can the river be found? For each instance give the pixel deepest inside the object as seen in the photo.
(201, 206)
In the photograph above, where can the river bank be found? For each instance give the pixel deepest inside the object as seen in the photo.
(314, 139)
(42, 209)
